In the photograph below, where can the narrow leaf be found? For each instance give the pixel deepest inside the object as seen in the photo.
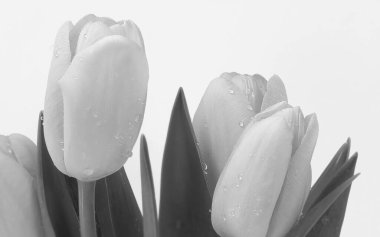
(185, 201)
(59, 199)
(315, 213)
(117, 212)
(147, 188)
(328, 174)
(330, 223)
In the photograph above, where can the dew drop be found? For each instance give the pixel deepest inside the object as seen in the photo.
(249, 107)
(88, 172)
(137, 118)
(85, 36)
(56, 53)
(233, 212)
(224, 188)
(230, 91)
(224, 218)
(205, 168)
(241, 124)
(127, 154)
(10, 151)
(240, 177)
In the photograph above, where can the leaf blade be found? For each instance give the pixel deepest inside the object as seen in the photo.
(315, 213)
(148, 195)
(185, 201)
(59, 201)
(116, 208)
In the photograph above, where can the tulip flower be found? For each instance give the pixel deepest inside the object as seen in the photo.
(23, 209)
(228, 105)
(258, 148)
(267, 178)
(95, 97)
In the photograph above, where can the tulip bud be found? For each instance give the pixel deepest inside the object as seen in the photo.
(95, 97)
(228, 105)
(22, 205)
(267, 178)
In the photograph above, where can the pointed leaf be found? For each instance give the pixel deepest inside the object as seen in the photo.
(331, 222)
(310, 219)
(116, 208)
(328, 174)
(59, 201)
(147, 188)
(185, 201)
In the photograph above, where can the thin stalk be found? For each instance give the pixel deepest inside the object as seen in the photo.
(86, 199)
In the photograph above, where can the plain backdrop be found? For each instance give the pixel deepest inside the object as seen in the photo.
(326, 52)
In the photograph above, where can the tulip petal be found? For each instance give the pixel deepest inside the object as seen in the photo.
(275, 92)
(26, 153)
(19, 207)
(53, 109)
(104, 93)
(227, 106)
(130, 30)
(297, 183)
(251, 181)
(92, 32)
(75, 32)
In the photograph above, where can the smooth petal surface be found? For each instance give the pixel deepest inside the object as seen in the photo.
(297, 183)
(19, 208)
(104, 93)
(228, 105)
(275, 92)
(53, 109)
(251, 181)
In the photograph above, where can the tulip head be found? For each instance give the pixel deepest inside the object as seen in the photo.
(22, 205)
(228, 105)
(266, 180)
(95, 98)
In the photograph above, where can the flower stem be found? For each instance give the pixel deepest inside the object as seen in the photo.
(86, 199)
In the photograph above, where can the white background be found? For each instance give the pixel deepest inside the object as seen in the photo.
(326, 52)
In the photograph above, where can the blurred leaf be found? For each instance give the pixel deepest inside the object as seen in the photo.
(117, 212)
(328, 174)
(315, 213)
(185, 202)
(331, 222)
(147, 188)
(59, 199)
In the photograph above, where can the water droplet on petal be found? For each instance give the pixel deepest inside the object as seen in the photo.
(137, 118)
(88, 172)
(127, 154)
(241, 124)
(230, 91)
(233, 212)
(205, 168)
(249, 107)
(9, 150)
(224, 218)
(56, 53)
(85, 36)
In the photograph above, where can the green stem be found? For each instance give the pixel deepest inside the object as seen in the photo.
(86, 199)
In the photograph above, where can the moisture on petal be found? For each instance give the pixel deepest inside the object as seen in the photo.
(104, 93)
